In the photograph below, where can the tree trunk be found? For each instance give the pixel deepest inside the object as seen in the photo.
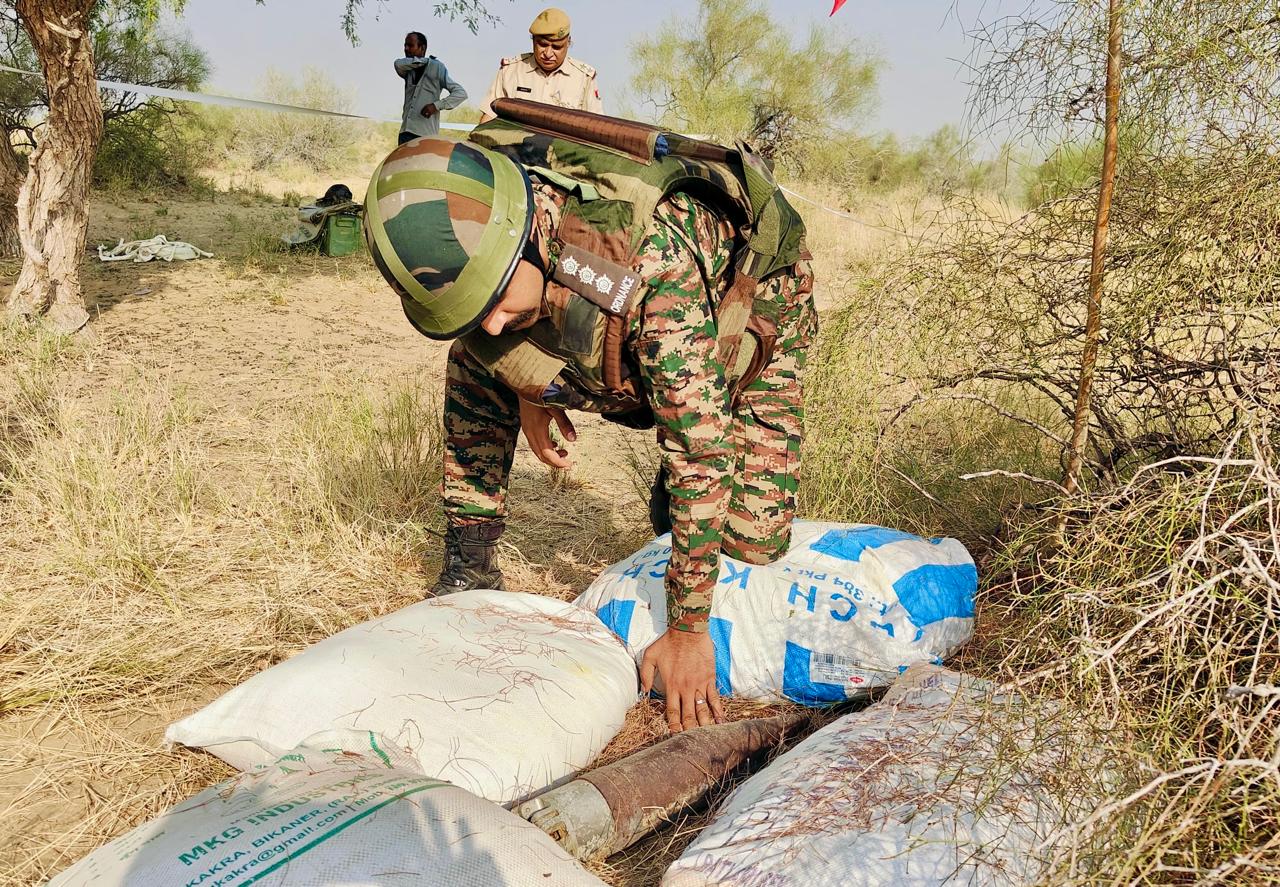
(10, 182)
(1097, 268)
(53, 205)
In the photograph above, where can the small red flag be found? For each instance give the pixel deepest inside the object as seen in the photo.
(836, 8)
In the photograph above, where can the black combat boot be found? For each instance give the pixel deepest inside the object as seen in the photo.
(470, 559)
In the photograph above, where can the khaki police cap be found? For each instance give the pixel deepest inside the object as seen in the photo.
(551, 22)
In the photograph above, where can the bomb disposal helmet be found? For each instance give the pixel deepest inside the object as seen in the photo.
(446, 223)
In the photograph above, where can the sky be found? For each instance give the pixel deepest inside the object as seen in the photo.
(922, 42)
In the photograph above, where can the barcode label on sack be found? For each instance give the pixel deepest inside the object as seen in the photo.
(828, 668)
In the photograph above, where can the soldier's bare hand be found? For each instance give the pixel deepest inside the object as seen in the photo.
(430, 110)
(686, 660)
(535, 422)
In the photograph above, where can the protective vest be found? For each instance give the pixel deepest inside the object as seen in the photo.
(615, 173)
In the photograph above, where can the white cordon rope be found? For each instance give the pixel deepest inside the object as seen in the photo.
(158, 247)
(205, 98)
(183, 95)
(857, 221)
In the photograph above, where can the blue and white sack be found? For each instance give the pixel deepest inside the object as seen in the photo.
(848, 608)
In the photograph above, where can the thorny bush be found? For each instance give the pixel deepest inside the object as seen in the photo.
(1159, 616)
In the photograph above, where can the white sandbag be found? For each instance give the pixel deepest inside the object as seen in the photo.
(499, 693)
(940, 783)
(318, 819)
(848, 608)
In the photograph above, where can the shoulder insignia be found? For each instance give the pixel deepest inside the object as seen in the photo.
(607, 284)
(583, 67)
(509, 60)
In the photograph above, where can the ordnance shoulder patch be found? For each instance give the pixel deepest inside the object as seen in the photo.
(607, 284)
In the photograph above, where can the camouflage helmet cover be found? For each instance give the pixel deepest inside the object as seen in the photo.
(446, 223)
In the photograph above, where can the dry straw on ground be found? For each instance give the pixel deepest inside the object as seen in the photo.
(152, 559)
(1159, 618)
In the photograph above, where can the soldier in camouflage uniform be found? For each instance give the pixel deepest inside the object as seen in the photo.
(732, 469)
(731, 457)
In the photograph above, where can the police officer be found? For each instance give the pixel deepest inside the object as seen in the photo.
(547, 74)
(508, 264)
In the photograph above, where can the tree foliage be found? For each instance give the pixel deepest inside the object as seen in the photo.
(144, 141)
(126, 49)
(473, 13)
(732, 71)
(941, 162)
(1191, 347)
(1194, 72)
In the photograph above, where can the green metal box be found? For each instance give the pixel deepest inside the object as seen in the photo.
(341, 234)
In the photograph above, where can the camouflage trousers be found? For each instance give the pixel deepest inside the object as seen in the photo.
(768, 428)
(482, 424)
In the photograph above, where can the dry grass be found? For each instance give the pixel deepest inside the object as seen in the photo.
(156, 554)
(297, 183)
(882, 447)
(1158, 615)
(158, 545)
(101, 765)
(843, 250)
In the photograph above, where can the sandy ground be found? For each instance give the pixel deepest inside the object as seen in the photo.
(251, 328)
(250, 335)
(249, 331)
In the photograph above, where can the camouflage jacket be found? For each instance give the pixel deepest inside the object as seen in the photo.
(686, 266)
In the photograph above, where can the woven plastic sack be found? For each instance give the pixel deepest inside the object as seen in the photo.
(941, 783)
(498, 692)
(848, 608)
(318, 819)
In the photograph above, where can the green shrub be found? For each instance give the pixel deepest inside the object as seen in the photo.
(1071, 168)
(155, 147)
(267, 139)
(940, 162)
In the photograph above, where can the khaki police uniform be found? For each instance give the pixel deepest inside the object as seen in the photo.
(572, 85)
